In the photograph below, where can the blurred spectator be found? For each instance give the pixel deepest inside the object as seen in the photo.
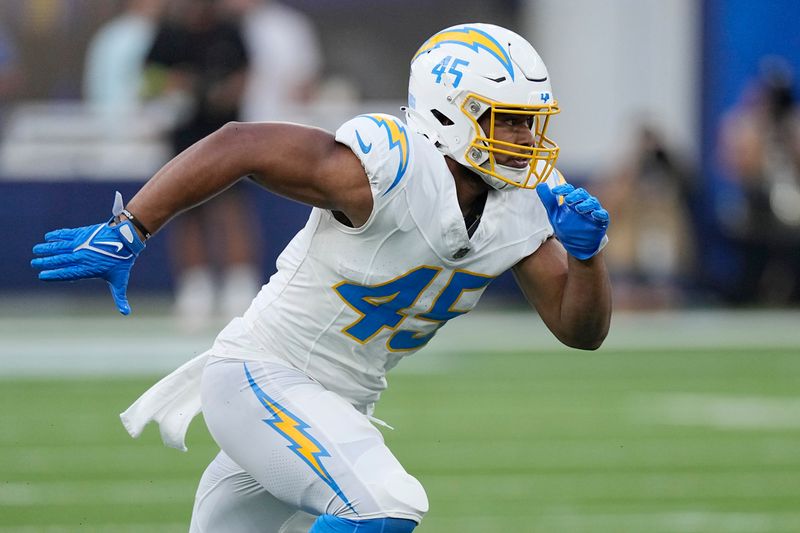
(760, 150)
(652, 257)
(113, 75)
(202, 56)
(10, 71)
(285, 58)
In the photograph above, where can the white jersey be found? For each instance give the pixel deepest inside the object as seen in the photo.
(346, 304)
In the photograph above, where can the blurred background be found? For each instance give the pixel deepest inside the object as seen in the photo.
(680, 115)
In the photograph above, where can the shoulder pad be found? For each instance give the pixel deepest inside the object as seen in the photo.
(382, 144)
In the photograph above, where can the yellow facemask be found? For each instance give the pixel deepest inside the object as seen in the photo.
(542, 154)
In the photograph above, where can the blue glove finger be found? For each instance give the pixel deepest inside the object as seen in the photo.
(601, 215)
(53, 248)
(69, 273)
(577, 196)
(549, 200)
(63, 234)
(587, 206)
(564, 188)
(118, 283)
(54, 261)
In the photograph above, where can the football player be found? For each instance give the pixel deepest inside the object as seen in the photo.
(411, 222)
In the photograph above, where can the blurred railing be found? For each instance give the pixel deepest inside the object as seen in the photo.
(68, 141)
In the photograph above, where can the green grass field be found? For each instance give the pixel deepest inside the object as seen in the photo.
(620, 440)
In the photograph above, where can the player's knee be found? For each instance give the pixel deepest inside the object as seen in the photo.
(336, 524)
(401, 495)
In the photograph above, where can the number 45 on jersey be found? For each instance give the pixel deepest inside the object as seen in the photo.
(383, 305)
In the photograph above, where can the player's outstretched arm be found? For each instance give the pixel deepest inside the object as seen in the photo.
(302, 163)
(566, 280)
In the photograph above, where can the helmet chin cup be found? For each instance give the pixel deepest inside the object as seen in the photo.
(514, 175)
(510, 176)
(493, 182)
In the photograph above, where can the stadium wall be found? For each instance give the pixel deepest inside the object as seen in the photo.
(737, 35)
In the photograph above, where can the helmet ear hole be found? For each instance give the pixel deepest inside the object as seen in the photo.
(442, 118)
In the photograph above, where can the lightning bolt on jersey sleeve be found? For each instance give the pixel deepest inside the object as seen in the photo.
(382, 144)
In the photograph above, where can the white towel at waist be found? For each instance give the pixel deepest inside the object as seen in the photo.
(172, 403)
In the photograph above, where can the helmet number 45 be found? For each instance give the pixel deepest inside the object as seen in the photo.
(441, 67)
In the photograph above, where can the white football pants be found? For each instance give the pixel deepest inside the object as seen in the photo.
(292, 450)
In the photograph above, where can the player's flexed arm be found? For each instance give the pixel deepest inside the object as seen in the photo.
(302, 163)
(299, 162)
(571, 291)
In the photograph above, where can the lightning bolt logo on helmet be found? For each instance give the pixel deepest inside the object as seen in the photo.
(472, 38)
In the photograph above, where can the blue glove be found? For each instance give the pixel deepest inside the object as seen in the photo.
(580, 222)
(99, 251)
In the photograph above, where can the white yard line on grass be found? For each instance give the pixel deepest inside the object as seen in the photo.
(685, 521)
(718, 411)
(32, 494)
(112, 345)
(161, 527)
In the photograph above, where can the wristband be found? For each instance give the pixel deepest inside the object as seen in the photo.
(136, 223)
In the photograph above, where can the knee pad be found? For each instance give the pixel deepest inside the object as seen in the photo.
(400, 495)
(328, 523)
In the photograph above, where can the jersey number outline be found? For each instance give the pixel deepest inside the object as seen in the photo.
(383, 305)
(439, 70)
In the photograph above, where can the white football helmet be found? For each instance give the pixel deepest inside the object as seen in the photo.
(467, 70)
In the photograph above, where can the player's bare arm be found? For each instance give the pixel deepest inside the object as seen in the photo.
(572, 296)
(302, 163)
